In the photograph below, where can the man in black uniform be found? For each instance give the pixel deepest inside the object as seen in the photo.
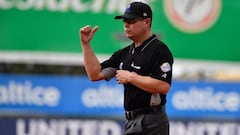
(143, 67)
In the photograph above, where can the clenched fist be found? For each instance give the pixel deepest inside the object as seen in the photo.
(124, 76)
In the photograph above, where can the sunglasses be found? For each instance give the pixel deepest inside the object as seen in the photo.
(133, 21)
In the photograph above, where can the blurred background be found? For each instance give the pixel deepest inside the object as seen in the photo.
(44, 89)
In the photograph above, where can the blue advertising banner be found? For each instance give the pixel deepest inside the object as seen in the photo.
(66, 126)
(77, 96)
(211, 100)
(61, 126)
(59, 95)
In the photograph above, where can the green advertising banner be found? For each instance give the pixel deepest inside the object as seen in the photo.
(193, 29)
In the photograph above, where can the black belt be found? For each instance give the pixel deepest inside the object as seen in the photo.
(149, 110)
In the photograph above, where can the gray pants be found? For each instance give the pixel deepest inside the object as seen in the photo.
(148, 124)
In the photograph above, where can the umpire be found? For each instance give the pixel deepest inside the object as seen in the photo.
(144, 68)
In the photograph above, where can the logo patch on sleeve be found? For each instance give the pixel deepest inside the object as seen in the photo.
(165, 67)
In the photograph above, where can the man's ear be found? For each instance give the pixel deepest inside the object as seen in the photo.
(148, 20)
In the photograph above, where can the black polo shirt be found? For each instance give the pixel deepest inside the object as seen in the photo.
(152, 58)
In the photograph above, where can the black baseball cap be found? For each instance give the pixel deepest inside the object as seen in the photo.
(135, 10)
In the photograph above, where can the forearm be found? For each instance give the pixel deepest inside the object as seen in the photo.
(148, 83)
(91, 63)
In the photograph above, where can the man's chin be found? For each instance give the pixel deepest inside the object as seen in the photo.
(128, 35)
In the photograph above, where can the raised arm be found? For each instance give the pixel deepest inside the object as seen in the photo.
(91, 63)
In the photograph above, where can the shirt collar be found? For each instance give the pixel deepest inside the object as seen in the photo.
(144, 44)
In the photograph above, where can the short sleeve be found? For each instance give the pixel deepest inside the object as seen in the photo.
(162, 65)
(111, 65)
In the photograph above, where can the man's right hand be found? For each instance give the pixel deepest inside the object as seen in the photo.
(86, 34)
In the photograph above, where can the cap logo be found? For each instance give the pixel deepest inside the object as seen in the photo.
(128, 9)
(144, 14)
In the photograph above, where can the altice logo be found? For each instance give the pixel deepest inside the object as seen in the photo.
(24, 93)
(205, 99)
(103, 96)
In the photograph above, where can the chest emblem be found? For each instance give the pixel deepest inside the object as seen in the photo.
(134, 66)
